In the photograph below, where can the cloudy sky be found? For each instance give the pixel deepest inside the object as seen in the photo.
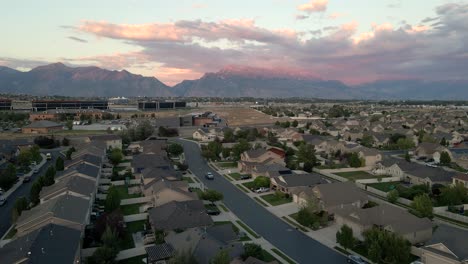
(355, 41)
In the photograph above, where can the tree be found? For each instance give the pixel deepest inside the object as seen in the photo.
(454, 195)
(49, 176)
(407, 157)
(34, 192)
(226, 152)
(112, 199)
(345, 237)
(239, 148)
(212, 195)
(144, 130)
(306, 154)
(422, 206)
(405, 143)
(69, 153)
(183, 257)
(8, 177)
(444, 142)
(59, 164)
(386, 247)
(65, 142)
(21, 204)
(294, 123)
(252, 250)
(367, 140)
(175, 149)
(116, 156)
(229, 135)
(354, 161)
(69, 124)
(392, 196)
(109, 238)
(167, 132)
(103, 255)
(308, 166)
(261, 181)
(222, 257)
(445, 158)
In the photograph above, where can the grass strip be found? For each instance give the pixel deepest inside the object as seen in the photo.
(247, 229)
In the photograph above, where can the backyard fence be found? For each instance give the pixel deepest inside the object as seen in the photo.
(386, 179)
(330, 175)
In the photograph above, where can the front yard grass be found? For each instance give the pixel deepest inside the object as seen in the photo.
(247, 229)
(225, 209)
(384, 186)
(135, 260)
(123, 192)
(130, 209)
(260, 201)
(211, 207)
(226, 165)
(283, 256)
(136, 226)
(188, 179)
(295, 224)
(267, 257)
(242, 188)
(275, 200)
(11, 234)
(250, 185)
(356, 175)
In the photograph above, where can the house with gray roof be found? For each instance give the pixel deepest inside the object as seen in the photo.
(447, 245)
(288, 183)
(141, 162)
(86, 159)
(386, 217)
(179, 215)
(51, 244)
(73, 185)
(41, 127)
(66, 210)
(163, 192)
(83, 170)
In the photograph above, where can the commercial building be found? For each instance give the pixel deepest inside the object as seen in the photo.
(160, 105)
(44, 105)
(5, 104)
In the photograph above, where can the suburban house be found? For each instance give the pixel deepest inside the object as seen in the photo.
(51, 243)
(370, 156)
(412, 172)
(329, 197)
(163, 192)
(461, 160)
(149, 147)
(66, 210)
(251, 158)
(272, 170)
(430, 151)
(83, 170)
(151, 175)
(111, 141)
(386, 217)
(159, 253)
(74, 186)
(447, 246)
(95, 148)
(460, 179)
(144, 161)
(203, 134)
(179, 215)
(288, 183)
(42, 127)
(89, 159)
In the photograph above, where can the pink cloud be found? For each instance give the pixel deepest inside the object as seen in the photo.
(314, 6)
(336, 15)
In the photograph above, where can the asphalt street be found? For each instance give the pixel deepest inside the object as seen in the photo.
(294, 243)
(23, 190)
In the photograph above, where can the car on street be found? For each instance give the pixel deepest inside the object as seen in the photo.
(48, 156)
(212, 212)
(262, 190)
(209, 176)
(35, 170)
(3, 201)
(354, 259)
(26, 179)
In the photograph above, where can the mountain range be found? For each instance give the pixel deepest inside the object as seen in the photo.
(59, 79)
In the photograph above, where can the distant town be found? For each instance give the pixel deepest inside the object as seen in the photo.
(205, 180)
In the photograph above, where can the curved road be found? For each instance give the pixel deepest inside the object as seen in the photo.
(294, 243)
(23, 190)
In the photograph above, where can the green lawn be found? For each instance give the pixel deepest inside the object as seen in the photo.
(274, 200)
(188, 179)
(236, 176)
(225, 209)
(267, 257)
(11, 233)
(130, 209)
(242, 188)
(260, 201)
(198, 191)
(119, 169)
(211, 207)
(134, 260)
(127, 241)
(226, 165)
(136, 226)
(295, 224)
(250, 185)
(279, 253)
(123, 192)
(356, 175)
(332, 166)
(247, 229)
(384, 186)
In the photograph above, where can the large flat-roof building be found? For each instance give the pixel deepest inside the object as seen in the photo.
(5, 104)
(44, 105)
(160, 105)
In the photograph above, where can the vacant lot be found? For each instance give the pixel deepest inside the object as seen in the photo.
(356, 175)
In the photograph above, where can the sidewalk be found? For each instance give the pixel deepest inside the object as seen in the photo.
(20, 179)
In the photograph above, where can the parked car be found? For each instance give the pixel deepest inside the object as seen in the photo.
(26, 179)
(354, 259)
(2, 201)
(262, 190)
(212, 212)
(35, 170)
(48, 156)
(209, 176)
(245, 177)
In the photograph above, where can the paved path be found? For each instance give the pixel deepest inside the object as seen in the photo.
(294, 243)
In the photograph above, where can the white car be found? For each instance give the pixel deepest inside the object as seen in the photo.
(209, 176)
(262, 190)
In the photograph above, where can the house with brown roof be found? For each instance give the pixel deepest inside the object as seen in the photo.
(42, 127)
(251, 158)
(179, 215)
(460, 179)
(163, 192)
(370, 156)
(430, 151)
(386, 217)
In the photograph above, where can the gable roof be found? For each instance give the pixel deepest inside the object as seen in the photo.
(43, 124)
(83, 168)
(297, 180)
(74, 184)
(86, 158)
(52, 244)
(420, 171)
(175, 215)
(334, 194)
(453, 238)
(142, 161)
(159, 252)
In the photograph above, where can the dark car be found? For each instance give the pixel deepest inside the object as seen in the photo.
(354, 259)
(26, 179)
(245, 177)
(213, 212)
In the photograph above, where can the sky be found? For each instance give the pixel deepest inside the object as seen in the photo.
(354, 41)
